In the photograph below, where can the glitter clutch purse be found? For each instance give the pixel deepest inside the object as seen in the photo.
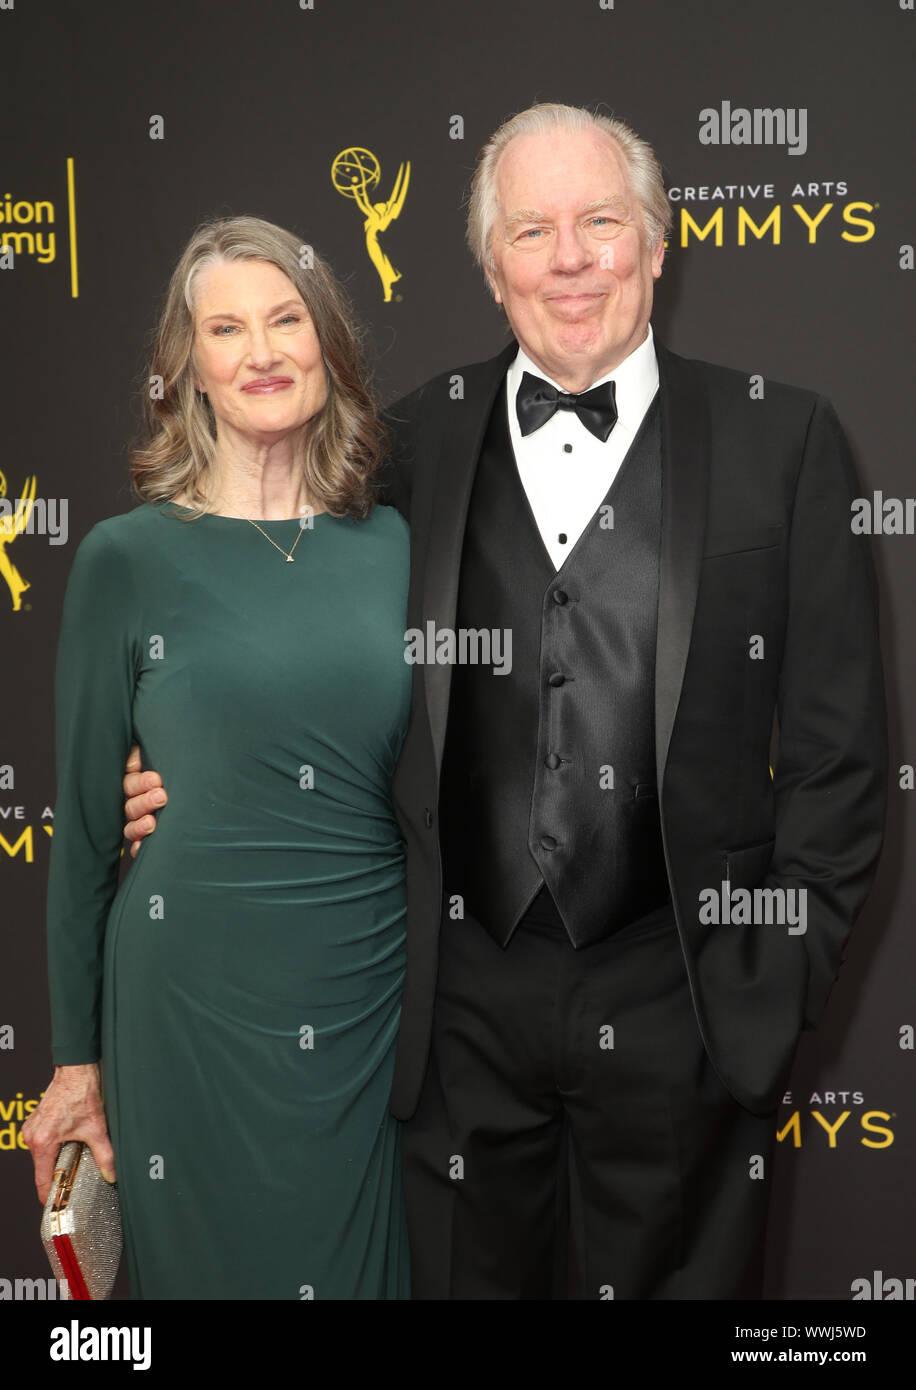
(81, 1225)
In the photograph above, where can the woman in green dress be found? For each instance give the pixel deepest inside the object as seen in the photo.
(241, 989)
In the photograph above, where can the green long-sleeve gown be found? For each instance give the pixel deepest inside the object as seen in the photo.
(242, 987)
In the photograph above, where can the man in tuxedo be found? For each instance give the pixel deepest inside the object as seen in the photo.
(619, 919)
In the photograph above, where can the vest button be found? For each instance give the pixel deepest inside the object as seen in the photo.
(560, 596)
(556, 679)
(428, 817)
(552, 761)
(548, 842)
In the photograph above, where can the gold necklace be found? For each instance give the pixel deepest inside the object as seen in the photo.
(287, 553)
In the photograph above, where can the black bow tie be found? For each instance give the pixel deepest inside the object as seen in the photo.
(537, 401)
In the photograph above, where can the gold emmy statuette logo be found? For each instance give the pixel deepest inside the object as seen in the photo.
(354, 173)
(12, 526)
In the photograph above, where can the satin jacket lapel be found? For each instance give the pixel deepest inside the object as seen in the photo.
(459, 452)
(685, 484)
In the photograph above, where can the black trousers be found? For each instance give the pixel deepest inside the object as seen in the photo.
(569, 1092)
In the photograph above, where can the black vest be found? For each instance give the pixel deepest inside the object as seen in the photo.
(549, 770)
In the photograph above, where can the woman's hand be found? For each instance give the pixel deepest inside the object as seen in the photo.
(144, 795)
(71, 1108)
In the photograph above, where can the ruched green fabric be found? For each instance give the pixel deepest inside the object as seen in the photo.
(243, 984)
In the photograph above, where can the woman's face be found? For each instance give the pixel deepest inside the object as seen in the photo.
(256, 353)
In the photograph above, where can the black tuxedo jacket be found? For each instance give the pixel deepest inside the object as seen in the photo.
(767, 603)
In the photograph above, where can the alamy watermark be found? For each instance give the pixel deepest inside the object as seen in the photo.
(464, 646)
(38, 516)
(758, 125)
(781, 907)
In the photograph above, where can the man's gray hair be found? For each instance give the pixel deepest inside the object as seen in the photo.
(643, 168)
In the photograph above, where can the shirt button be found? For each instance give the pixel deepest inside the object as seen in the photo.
(560, 596)
(548, 842)
(556, 679)
(562, 537)
(552, 761)
(567, 448)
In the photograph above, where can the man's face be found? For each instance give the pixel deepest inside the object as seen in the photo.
(571, 266)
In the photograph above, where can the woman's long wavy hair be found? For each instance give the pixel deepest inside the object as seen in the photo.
(343, 444)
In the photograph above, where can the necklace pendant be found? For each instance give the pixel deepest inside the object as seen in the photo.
(290, 560)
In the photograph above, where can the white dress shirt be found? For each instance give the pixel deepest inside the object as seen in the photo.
(565, 470)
